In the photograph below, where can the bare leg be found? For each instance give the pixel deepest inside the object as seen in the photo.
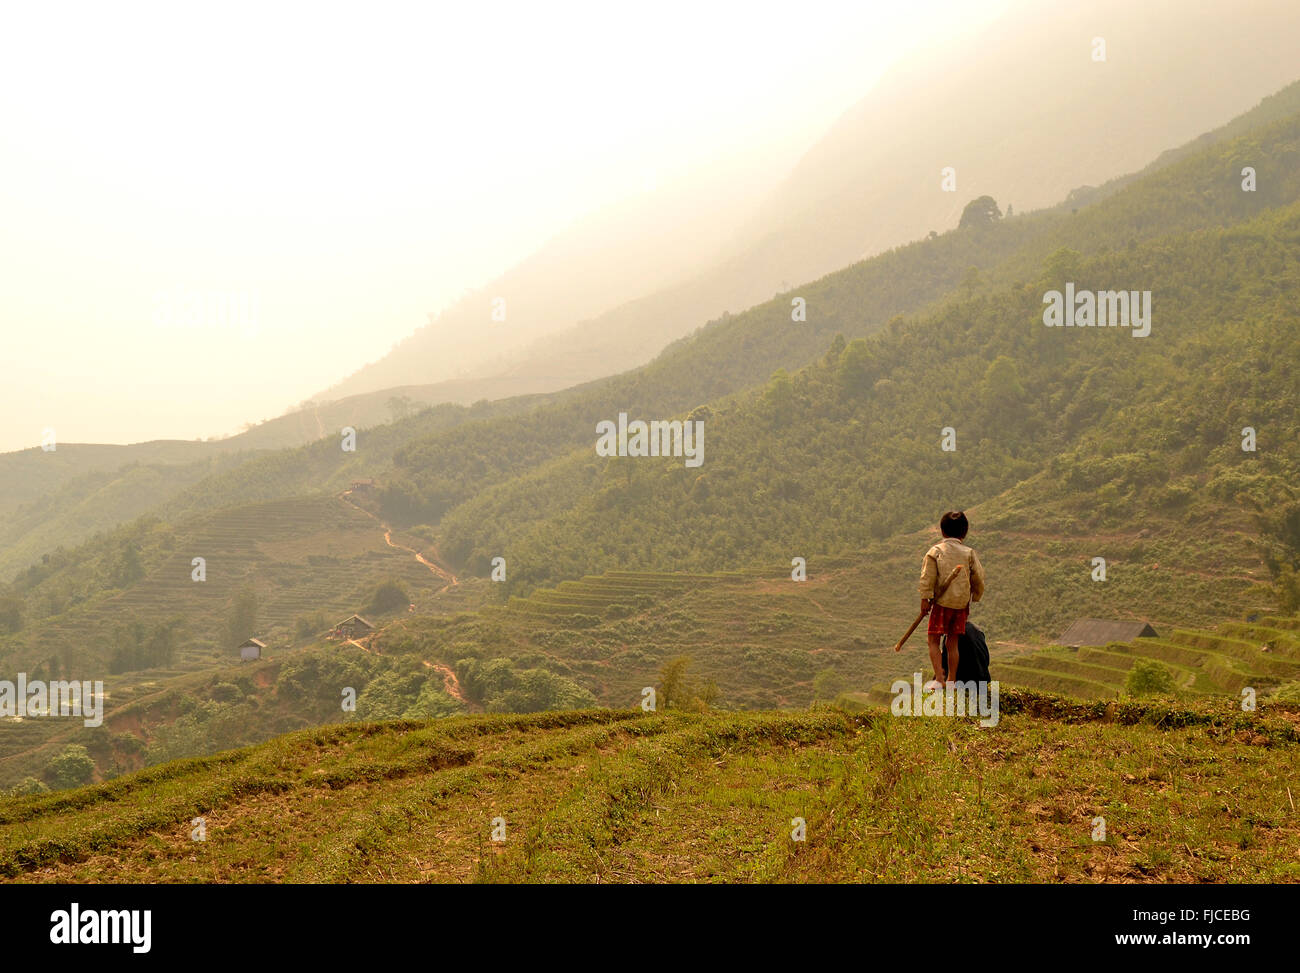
(952, 658)
(936, 657)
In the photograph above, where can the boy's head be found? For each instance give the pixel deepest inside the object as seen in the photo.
(954, 524)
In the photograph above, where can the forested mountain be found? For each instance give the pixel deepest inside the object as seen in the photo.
(70, 494)
(824, 439)
(1021, 111)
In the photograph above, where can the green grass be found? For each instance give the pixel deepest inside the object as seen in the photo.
(625, 796)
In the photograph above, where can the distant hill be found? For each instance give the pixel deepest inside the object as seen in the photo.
(823, 442)
(1021, 111)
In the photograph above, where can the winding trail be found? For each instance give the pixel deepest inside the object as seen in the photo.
(449, 681)
(437, 569)
(451, 684)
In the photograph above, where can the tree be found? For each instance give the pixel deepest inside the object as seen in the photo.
(11, 614)
(1287, 585)
(1001, 388)
(778, 397)
(128, 568)
(980, 212)
(1147, 677)
(72, 767)
(241, 616)
(309, 625)
(1062, 265)
(433, 703)
(400, 406)
(160, 647)
(677, 690)
(389, 596)
(857, 366)
(28, 785)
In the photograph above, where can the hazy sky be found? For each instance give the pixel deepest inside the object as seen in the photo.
(350, 170)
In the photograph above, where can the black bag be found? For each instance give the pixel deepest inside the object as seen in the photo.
(972, 655)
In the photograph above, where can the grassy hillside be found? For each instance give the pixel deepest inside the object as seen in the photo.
(62, 498)
(624, 796)
(548, 456)
(429, 464)
(1071, 444)
(1262, 655)
(849, 449)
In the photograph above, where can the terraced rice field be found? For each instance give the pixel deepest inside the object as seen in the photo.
(1263, 655)
(625, 796)
(260, 546)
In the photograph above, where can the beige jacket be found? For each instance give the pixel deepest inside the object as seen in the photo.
(939, 560)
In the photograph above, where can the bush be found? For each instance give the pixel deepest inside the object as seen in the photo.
(389, 596)
(225, 692)
(828, 684)
(71, 768)
(307, 626)
(433, 703)
(1147, 678)
(28, 785)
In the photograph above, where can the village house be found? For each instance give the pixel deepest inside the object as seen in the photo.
(353, 627)
(251, 650)
(1099, 631)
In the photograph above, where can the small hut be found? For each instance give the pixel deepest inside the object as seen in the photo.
(354, 627)
(1100, 631)
(251, 650)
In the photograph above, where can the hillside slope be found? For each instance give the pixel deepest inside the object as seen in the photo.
(619, 796)
(80, 489)
(1004, 107)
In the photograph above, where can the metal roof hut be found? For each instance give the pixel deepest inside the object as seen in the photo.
(1100, 631)
(251, 650)
(354, 627)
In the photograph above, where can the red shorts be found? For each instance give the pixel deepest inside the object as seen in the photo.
(947, 621)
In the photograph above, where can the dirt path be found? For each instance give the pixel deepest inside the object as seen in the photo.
(451, 684)
(437, 569)
(449, 681)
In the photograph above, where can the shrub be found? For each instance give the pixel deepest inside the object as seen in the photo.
(306, 626)
(828, 684)
(72, 767)
(225, 692)
(1148, 677)
(389, 596)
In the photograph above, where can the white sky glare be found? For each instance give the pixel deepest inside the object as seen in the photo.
(356, 167)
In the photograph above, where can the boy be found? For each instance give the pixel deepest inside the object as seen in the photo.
(948, 614)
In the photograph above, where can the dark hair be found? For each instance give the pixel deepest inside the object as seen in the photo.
(954, 524)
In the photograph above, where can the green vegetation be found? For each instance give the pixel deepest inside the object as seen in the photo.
(635, 797)
(72, 767)
(822, 442)
(1148, 678)
(389, 596)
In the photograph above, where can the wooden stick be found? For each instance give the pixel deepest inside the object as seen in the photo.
(952, 575)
